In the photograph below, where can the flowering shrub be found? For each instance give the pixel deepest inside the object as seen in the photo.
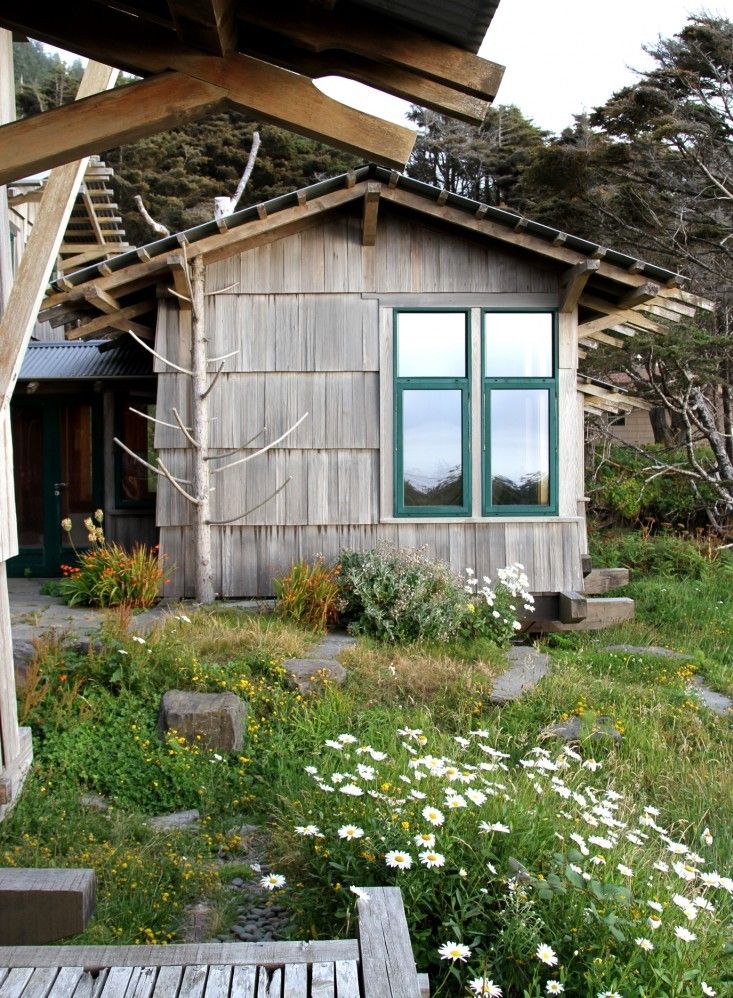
(400, 595)
(494, 612)
(523, 877)
(309, 595)
(108, 575)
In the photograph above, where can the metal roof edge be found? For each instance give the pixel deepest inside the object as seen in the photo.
(369, 171)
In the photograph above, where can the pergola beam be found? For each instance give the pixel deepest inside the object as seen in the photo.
(129, 113)
(362, 34)
(114, 320)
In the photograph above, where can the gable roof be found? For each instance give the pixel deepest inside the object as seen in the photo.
(395, 181)
(610, 289)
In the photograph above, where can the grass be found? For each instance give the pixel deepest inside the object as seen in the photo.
(94, 730)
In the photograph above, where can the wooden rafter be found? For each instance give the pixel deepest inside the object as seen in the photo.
(360, 33)
(209, 24)
(573, 282)
(613, 315)
(371, 214)
(640, 295)
(120, 319)
(164, 101)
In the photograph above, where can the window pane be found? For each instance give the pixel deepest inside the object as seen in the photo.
(432, 439)
(136, 483)
(520, 447)
(431, 344)
(518, 344)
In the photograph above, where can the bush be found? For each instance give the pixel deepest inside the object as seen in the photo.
(650, 554)
(621, 490)
(108, 575)
(401, 595)
(309, 595)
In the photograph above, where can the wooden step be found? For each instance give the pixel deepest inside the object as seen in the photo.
(603, 580)
(39, 906)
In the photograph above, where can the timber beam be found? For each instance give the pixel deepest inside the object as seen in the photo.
(115, 320)
(640, 295)
(168, 100)
(209, 24)
(573, 282)
(371, 212)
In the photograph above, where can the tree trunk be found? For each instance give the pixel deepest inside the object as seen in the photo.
(200, 432)
(659, 418)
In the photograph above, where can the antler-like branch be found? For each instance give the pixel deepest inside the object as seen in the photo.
(223, 356)
(184, 429)
(164, 360)
(262, 450)
(224, 206)
(176, 486)
(221, 523)
(213, 381)
(153, 419)
(229, 453)
(146, 464)
(158, 227)
(221, 291)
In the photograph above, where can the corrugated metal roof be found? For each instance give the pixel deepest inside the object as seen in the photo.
(56, 360)
(461, 22)
(501, 216)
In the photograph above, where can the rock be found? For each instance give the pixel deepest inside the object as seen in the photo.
(519, 870)
(23, 654)
(307, 673)
(570, 730)
(719, 703)
(219, 718)
(653, 650)
(198, 922)
(95, 802)
(331, 646)
(174, 821)
(527, 667)
(237, 882)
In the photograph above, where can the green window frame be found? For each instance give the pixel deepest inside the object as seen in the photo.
(404, 384)
(528, 383)
(489, 385)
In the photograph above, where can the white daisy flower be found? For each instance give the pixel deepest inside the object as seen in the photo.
(682, 933)
(307, 830)
(454, 951)
(625, 870)
(707, 990)
(547, 955)
(272, 881)
(350, 832)
(346, 739)
(497, 826)
(706, 838)
(646, 944)
(432, 859)
(433, 815)
(653, 923)
(684, 871)
(351, 790)
(424, 839)
(398, 860)
(483, 986)
(553, 987)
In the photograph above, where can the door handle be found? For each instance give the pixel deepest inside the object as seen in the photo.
(58, 486)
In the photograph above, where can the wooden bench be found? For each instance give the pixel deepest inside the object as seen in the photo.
(378, 964)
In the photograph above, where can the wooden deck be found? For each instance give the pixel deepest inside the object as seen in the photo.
(378, 964)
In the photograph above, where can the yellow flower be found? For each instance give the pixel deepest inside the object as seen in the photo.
(66, 524)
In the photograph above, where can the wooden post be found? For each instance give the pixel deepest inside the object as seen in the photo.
(200, 433)
(16, 325)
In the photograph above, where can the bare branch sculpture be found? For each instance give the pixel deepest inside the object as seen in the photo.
(224, 206)
(157, 227)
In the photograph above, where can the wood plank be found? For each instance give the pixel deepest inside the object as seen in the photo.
(323, 980)
(347, 979)
(573, 282)
(90, 983)
(168, 981)
(66, 982)
(193, 982)
(114, 320)
(612, 311)
(181, 954)
(424, 982)
(15, 982)
(572, 606)
(602, 612)
(387, 962)
(361, 34)
(218, 981)
(40, 983)
(207, 24)
(602, 580)
(116, 984)
(145, 983)
(371, 214)
(295, 980)
(644, 293)
(244, 981)
(269, 983)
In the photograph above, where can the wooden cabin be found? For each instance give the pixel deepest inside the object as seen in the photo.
(433, 343)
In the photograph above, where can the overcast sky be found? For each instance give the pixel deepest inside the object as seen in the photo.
(565, 57)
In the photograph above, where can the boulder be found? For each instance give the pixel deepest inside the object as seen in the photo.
(571, 729)
(174, 821)
(305, 673)
(215, 720)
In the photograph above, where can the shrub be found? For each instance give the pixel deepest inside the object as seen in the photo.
(493, 613)
(650, 554)
(623, 490)
(309, 595)
(108, 575)
(535, 865)
(401, 595)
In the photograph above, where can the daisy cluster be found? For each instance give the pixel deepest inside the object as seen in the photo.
(646, 900)
(496, 607)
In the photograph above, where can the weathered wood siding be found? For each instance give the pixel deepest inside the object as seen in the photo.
(305, 318)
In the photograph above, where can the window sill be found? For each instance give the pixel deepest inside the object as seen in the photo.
(533, 518)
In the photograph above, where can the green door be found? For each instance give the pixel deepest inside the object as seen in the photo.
(57, 456)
